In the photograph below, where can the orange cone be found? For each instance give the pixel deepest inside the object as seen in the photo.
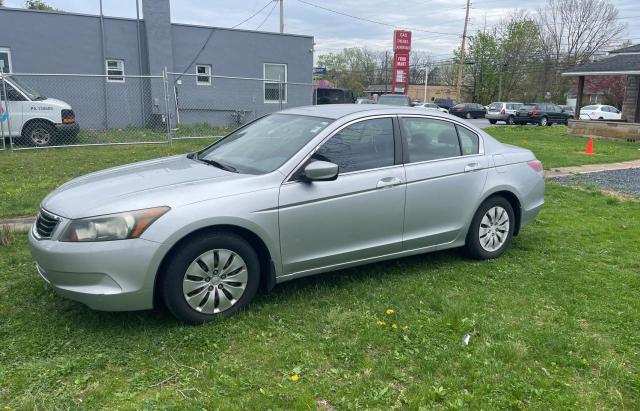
(589, 149)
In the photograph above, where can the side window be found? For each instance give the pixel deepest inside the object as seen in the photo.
(13, 94)
(469, 141)
(429, 139)
(203, 74)
(364, 145)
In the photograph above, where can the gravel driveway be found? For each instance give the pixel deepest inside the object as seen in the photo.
(623, 181)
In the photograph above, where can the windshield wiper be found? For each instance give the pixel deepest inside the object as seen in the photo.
(218, 164)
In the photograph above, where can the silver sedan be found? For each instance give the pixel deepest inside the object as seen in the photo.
(296, 193)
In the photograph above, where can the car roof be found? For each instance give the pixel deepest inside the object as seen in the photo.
(335, 111)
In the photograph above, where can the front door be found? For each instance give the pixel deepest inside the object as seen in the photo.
(359, 215)
(446, 172)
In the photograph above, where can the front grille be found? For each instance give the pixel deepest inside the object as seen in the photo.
(46, 223)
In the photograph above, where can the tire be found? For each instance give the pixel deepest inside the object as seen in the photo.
(482, 247)
(543, 121)
(205, 269)
(493, 121)
(510, 121)
(468, 116)
(39, 133)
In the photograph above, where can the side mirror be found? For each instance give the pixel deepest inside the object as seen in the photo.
(321, 171)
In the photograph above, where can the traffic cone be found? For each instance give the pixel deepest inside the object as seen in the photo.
(589, 149)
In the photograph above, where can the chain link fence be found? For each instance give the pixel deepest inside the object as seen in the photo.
(52, 110)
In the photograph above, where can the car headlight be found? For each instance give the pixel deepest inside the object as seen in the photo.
(120, 226)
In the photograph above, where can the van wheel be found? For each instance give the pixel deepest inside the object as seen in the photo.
(213, 275)
(39, 133)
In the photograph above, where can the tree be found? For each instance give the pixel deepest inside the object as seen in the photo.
(39, 5)
(573, 32)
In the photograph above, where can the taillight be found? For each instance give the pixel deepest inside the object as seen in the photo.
(503, 111)
(536, 165)
(459, 109)
(68, 116)
(535, 112)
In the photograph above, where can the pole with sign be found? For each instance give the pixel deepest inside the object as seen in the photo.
(401, 50)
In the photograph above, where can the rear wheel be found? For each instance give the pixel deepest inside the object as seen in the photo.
(212, 275)
(38, 133)
(493, 121)
(543, 121)
(491, 229)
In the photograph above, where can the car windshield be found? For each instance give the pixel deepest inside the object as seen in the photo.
(394, 100)
(31, 93)
(264, 145)
(591, 108)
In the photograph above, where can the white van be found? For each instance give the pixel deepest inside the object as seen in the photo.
(36, 119)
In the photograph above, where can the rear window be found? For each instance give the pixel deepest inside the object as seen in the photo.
(495, 107)
(527, 107)
(460, 106)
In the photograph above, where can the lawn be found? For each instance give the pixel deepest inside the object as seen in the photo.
(27, 176)
(553, 324)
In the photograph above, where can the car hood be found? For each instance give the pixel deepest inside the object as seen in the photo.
(171, 181)
(55, 102)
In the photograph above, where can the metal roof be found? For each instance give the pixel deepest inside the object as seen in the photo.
(631, 49)
(624, 64)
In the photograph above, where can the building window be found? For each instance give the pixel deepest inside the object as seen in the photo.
(5, 58)
(115, 70)
(203, 77)
(275, 85)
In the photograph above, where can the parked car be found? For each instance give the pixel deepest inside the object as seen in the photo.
(394, 100)
(295, 193)
(468, 110)
(445, 102)
(364, 101)
(543, 114)
(600, 112)
(502, 111)
(569, 110)
(432, 106)
(333, 96)
(34, 118)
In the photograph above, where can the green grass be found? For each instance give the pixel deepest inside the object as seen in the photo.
(553, 325)
(27, 176)
(555, 148)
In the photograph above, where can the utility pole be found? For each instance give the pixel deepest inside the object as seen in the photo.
(281, 16)
(464, 37)
(426, 79)
(386, 79)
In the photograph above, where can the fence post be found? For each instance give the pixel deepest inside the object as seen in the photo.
(165, 84)
(2, 93)
(280, 92)
(6, 109)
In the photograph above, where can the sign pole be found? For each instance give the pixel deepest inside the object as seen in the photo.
(426, 79)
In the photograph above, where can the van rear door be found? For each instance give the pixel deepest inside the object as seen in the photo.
(13, 103)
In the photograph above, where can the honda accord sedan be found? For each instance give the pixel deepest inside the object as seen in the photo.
(299, 192)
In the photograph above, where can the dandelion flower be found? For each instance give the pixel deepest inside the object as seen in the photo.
(294, 378)
(390, 311)
(405, 328)
(380, 322)
(394, 326)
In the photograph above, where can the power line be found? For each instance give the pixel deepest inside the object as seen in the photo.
(253, 15)
(275, 3)
(374, 21)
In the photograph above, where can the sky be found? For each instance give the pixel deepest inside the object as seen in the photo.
(437, 24)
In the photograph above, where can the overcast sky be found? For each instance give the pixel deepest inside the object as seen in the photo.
(333, 32)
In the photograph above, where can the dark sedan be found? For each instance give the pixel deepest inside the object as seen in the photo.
(468, 110)
(542, 114)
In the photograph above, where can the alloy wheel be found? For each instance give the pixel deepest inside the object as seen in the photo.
(215, 281)
(494, 229)
(40, 136)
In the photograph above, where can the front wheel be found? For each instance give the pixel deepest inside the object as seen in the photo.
(212, 275)
(543, 121)
(39, 133)
(491, 229)
(493, 121)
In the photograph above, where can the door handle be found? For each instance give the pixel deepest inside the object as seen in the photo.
(472, 167)
(389, 182)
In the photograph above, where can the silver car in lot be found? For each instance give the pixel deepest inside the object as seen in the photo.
(295, 193)
(502, 111)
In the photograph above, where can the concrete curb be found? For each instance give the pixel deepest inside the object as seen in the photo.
(18, 223)
(590, 168)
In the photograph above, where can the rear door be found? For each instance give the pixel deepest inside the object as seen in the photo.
(355, 217)
(446, 172)
(13, 105)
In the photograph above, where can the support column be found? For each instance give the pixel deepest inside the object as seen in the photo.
(579, 97)
(631, 103)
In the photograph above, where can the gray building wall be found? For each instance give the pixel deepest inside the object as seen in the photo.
(54, 43)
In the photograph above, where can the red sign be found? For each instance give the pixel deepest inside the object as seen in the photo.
(401, 48)
(402, 41)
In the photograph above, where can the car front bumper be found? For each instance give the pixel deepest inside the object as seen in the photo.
(106, 275)
(68, 129)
